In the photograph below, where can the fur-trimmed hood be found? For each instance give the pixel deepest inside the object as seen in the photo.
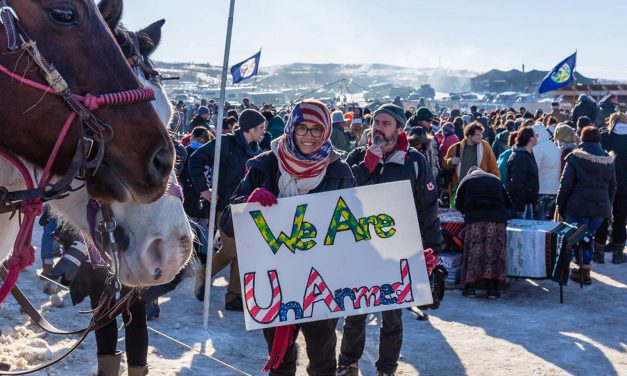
(599, 159)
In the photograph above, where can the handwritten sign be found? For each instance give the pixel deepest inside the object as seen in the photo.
(331, 254)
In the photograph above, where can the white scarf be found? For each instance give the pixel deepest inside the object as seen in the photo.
(288, 186)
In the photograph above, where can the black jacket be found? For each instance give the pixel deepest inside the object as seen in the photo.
(415, 168)
(585, 107)
(191, 204)
(616, 145)
(235, 152)
(482, 198)
(263, 171)
(522, 183)
(588, 183)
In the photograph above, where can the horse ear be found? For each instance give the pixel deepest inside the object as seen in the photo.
(111, 11)
(149, 37)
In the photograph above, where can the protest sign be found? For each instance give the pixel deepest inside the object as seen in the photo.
(330, 254)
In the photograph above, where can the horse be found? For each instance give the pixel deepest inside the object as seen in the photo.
(157, 249)
(127, 149)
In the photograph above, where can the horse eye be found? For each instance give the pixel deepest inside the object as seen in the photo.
(63, 15)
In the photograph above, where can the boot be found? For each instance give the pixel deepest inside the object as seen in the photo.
(137, 370)
(493, 289)
(109, 365)
(582, 274)
(199, 287)
(47, 268)
(599, 253)
(618, 257)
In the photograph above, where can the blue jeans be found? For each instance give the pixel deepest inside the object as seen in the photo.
(47, 241)
(201, 228)
(593, 225)
(545, 203)
(527, 212)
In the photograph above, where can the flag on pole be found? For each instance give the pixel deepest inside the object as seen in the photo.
(561, 75)
(246, 69)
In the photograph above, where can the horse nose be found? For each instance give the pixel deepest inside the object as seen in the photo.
(161, 164)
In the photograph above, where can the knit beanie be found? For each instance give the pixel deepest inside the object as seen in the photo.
(393, 110)
(249, 119)
(564, 133)
(424, 113)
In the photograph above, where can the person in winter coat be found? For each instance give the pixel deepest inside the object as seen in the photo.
(423, 118)
(339, 137)
(586, 192)
(473, 150)
(522, 175)
(607, 107)
(500, 141)
(450, 138)
(389, 159)
(201, 119)
(501, 162)
(236, 150)
(547, 156)
(566, 140)
(585, 106)
(556, 113)
(484, 202)
(301, 161)
(276, 125)
(614, 141)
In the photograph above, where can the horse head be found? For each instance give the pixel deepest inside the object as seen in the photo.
(73, 36)
(159, 234)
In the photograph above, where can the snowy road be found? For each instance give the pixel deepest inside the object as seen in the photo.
(526, 332)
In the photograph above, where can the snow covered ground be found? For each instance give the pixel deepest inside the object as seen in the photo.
(526, 332)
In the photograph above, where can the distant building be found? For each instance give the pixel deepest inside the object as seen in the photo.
(497, 81)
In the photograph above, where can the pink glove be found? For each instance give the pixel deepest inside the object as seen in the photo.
(262, 196)
(431, 260)
(373, 155)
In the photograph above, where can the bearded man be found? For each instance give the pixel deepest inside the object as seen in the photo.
(388, 158)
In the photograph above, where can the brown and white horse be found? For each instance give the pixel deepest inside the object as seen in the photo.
(160, 238)
(73, 38)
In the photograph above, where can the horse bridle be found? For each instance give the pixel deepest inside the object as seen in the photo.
(95, 133)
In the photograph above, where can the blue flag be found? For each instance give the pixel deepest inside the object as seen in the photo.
(245, 69)
(561, 75)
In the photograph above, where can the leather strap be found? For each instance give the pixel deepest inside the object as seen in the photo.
(102, 316)
(8, 18)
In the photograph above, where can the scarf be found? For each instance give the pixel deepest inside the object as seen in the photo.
(252, 148)
(299, 174)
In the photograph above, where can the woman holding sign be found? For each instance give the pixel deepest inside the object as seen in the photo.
(301, 161)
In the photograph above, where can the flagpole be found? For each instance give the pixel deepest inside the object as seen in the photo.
(216, 169)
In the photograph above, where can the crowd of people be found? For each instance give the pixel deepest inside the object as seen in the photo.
(492, 166)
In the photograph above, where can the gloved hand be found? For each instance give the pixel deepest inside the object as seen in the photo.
(373, 155)
(70, 263)
(262, 196)
(431, 259)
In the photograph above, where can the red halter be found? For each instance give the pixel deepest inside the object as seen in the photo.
(23, 253)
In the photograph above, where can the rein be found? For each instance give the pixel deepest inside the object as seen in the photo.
(94, 132)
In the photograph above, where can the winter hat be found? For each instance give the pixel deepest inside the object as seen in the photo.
(393, 110)
(202, 110)
(337, 117)
(424, 113)
(583, 121)
(564, 133)
(249, 119)
(448, 129)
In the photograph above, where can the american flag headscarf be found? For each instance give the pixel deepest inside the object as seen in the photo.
(291, 159)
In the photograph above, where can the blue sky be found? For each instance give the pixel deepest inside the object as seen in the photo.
(477, 35)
